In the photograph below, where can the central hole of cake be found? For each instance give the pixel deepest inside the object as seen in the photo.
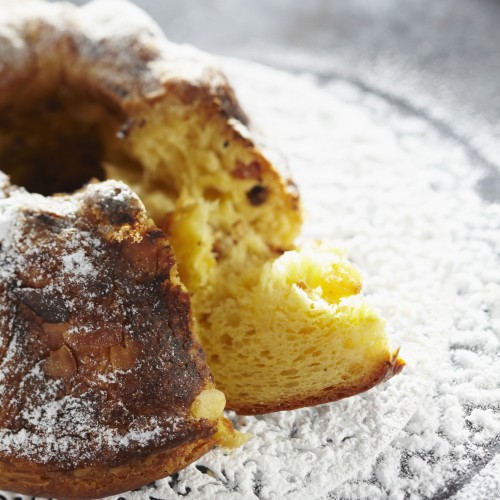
(57, 143)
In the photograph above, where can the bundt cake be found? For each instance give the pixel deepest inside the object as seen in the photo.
(282, 327)
(103, 387)
(97, 92)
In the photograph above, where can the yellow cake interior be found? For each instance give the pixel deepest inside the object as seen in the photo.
(282, 326)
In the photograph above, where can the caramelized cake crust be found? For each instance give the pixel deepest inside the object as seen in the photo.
(99, 369)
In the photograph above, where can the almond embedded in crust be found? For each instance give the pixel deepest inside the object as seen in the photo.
(124, 358)
(55, 334)
(60, 363)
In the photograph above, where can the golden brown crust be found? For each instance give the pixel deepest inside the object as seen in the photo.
(99, 481)
(111, 49)
(383, 373)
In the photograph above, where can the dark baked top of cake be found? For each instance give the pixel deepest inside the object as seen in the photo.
(108, 47)
(97, 359)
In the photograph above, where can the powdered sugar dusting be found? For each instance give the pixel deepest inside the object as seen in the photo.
(78, 265)
(65, 286)
(401, 197)
(66, 426)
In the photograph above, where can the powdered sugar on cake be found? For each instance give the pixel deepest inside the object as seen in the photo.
(64, 282)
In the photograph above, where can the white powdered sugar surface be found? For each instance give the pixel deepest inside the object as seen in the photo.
(401, 198)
